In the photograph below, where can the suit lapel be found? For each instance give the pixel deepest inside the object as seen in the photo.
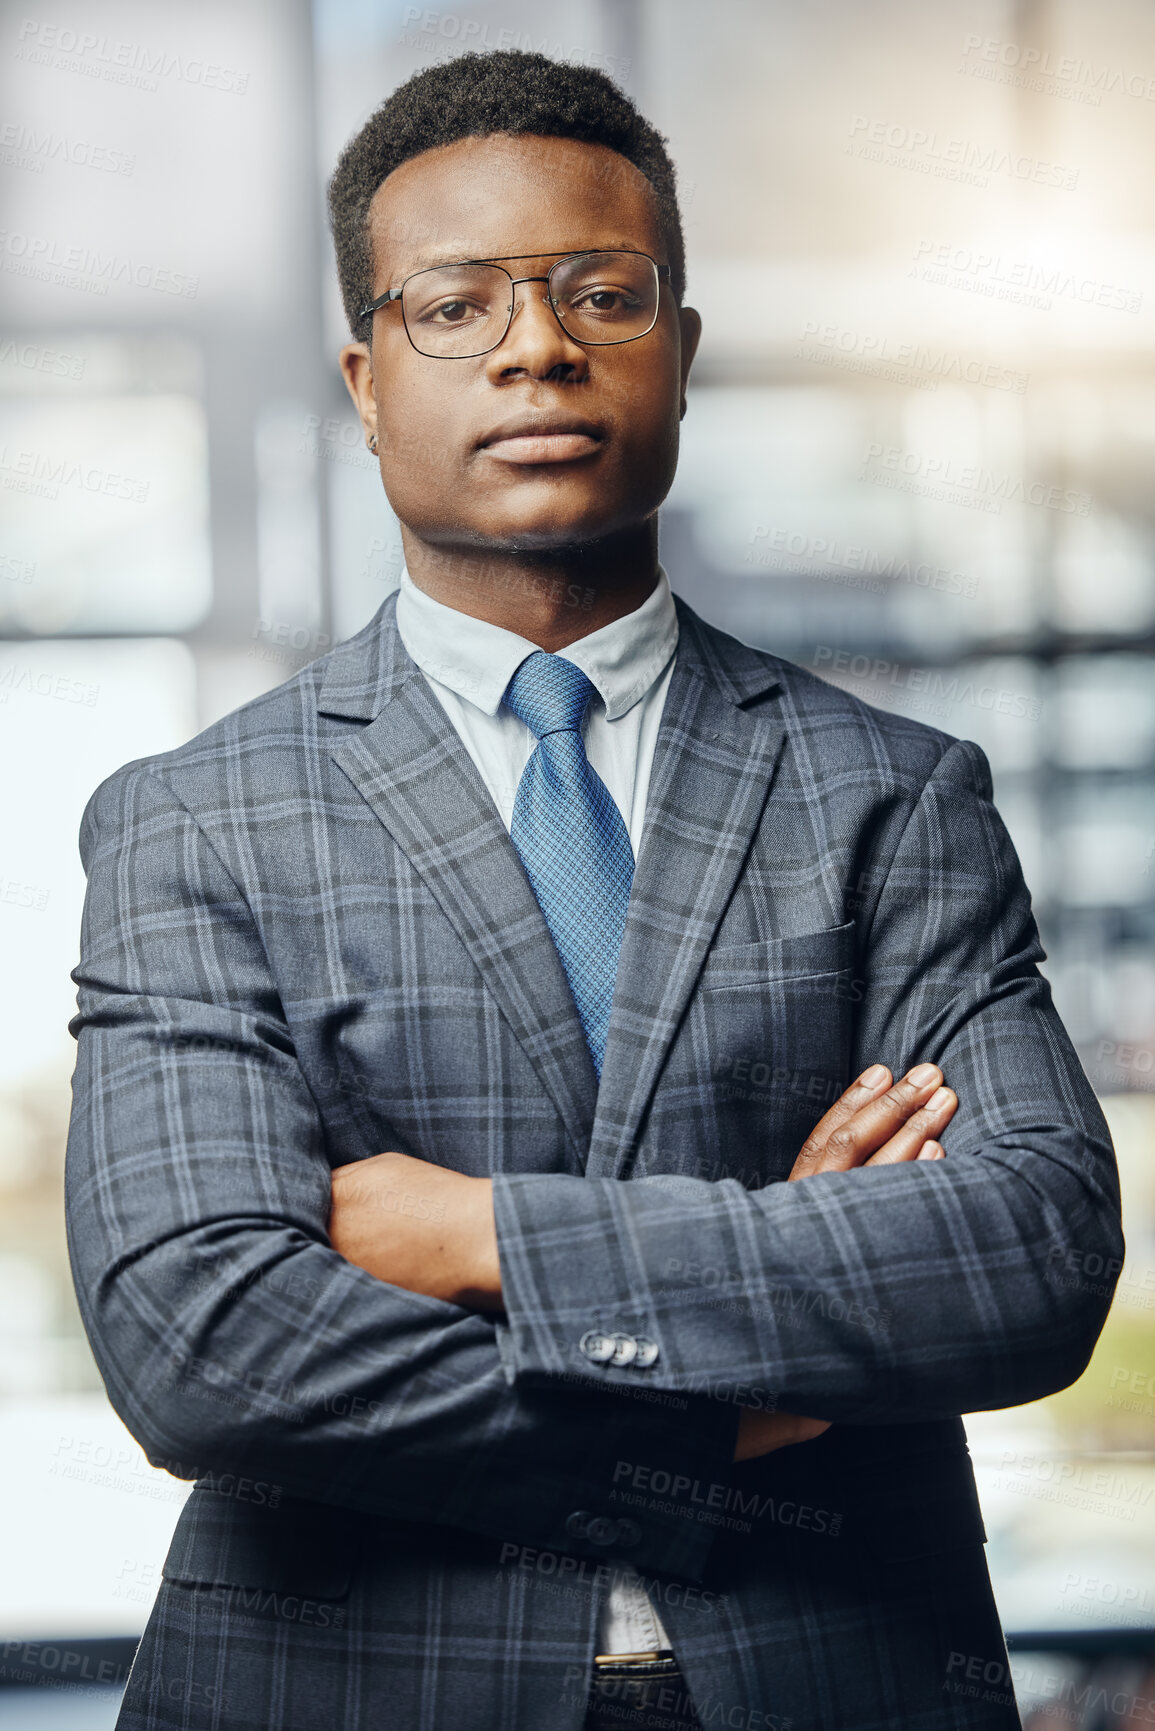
(713, 765)
(412, 769)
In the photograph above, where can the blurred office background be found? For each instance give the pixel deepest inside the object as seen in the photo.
(917, 459)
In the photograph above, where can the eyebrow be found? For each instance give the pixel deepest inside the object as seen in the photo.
(426, 262)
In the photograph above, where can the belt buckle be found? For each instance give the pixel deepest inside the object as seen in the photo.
(656, 1656)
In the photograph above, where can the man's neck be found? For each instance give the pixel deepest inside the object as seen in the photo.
(550, 598)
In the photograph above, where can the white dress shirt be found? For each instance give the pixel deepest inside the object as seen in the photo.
(468, 664)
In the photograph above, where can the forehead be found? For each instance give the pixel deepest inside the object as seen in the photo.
(510, 196)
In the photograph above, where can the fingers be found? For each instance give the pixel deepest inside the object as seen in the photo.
(802, 1429)
(870, 1084)
(915, 1140)
(870, 1116)
(760, 1433)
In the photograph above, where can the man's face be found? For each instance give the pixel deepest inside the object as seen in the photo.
(449, 474)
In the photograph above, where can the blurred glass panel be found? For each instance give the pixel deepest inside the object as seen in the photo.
(107, 519)
(70, 713)
(155, 240)
(1001, 703)
(1104, 574)
(71, 1707)
(1067, 1484)
(365, 537)
(74, 362)
(1102, 846)
(1103, 713)
(1132, 1022)
(88, 1495)
(1105, 996)
(868, 503)
(288, 521)
(27, 1305)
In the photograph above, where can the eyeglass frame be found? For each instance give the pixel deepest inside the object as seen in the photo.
(661, 271)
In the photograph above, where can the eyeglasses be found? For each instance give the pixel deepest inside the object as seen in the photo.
(458, 311)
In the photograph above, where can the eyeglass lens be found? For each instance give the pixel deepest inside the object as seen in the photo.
(465, 309)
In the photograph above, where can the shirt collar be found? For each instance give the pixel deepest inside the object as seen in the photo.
(477, 659)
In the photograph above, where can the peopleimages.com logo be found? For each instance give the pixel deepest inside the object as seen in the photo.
(136, 64)
(937, 476)
(1022, 282)
(877, 676)
(82, 267)
(929, 152)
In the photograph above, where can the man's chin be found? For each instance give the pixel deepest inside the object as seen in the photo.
(541, 533)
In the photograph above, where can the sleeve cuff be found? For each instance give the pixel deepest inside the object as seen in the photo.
(587, 1275)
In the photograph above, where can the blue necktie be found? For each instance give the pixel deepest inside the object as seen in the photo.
(571, 837)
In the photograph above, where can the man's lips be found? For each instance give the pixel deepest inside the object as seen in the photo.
(543, 440)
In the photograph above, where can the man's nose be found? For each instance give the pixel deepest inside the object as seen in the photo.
(536, 342)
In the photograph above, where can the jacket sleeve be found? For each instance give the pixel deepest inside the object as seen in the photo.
(900, 1293)
(230, 1335)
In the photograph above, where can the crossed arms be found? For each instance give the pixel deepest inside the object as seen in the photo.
(232, 1334)
(429, 1229)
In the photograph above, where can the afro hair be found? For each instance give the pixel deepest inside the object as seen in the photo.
(473, 96)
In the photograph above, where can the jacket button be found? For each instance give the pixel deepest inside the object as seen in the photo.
(599, 1348)
(647, 1352)
(629, 1534)
(578, 1523)
(625, 1349)
(602, 1530)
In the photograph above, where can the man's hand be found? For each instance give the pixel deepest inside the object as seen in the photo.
(760, 1433)
(431, 1230)
(875, 1124)
(419, 1226)
(872, 1124)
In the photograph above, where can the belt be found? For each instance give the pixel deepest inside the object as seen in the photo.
(639, 1692)
(660, 1655)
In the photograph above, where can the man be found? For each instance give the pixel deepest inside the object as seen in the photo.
(453, 1020)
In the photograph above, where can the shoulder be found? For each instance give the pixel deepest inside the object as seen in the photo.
(259, 747)
(268, 745)
(834, 730)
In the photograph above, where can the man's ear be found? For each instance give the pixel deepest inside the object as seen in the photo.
(691, 323)
(356, 361)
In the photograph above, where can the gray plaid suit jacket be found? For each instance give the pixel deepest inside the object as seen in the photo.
(307, 938)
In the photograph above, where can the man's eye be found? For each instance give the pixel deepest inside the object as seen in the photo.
(454, 312)
(604, 300)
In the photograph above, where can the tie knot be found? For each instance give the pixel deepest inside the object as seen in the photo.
(549, 693)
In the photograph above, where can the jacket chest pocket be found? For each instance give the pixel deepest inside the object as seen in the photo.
(763, 1053)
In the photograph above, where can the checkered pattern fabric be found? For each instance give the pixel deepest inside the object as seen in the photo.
(307, 938)
(571, 837)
